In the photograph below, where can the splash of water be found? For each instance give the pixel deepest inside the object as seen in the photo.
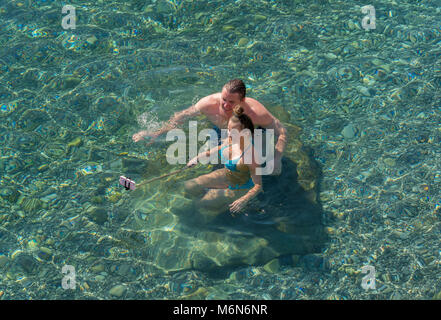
(149, 121)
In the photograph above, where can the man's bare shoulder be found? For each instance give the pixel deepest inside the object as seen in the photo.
(260, 114)
(256, 106)
(208, 102)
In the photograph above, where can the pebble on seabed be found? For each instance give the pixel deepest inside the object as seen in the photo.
(349, 131)
(117, 291)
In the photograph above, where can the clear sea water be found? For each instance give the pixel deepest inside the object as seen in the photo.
(366, 94)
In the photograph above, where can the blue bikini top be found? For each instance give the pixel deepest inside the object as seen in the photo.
(230, 164)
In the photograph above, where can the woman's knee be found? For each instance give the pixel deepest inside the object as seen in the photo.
(209, 208)
(189, 185)
(205, 204)
(192, 188)
(213, 203)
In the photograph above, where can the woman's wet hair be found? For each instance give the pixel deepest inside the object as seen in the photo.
(238, 114)
(236, 86)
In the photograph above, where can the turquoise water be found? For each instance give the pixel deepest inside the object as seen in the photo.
(368, 103)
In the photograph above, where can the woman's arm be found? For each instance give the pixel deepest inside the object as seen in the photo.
(207, 153)
(240, 203)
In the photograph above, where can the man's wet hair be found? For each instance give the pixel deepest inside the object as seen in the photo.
(236, 86)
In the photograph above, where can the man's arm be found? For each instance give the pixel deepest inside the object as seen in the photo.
(263, 118)
(176, 119)
(280, 131)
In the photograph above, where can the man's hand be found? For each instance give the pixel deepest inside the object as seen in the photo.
(141, 134)
(277, 166)
(276, 163)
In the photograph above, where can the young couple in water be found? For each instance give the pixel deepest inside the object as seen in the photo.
(233, 186)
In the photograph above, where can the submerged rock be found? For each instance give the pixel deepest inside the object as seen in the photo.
(45, 253)
(117, 291)
(273, 266)
(29, 204)
(9, 193)
(26, 262)
(97, 214)
(3, 260)
(349, 132)
(283, 222)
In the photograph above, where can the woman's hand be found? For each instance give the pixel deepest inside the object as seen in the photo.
(192, 162)
(238, 205)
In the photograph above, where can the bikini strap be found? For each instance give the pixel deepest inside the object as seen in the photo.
(222, 152)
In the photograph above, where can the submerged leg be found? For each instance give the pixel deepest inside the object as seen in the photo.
(216, 201)
(214, 180)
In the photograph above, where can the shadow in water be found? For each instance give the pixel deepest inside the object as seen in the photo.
(284, 216)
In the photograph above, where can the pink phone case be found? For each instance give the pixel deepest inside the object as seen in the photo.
(127, 183)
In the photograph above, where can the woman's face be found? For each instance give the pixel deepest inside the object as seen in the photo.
(234, 128)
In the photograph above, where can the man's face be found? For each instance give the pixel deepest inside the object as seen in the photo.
(229, 100)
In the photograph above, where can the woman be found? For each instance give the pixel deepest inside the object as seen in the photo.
(235, 185)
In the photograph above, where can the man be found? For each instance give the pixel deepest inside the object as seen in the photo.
(218, 108)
